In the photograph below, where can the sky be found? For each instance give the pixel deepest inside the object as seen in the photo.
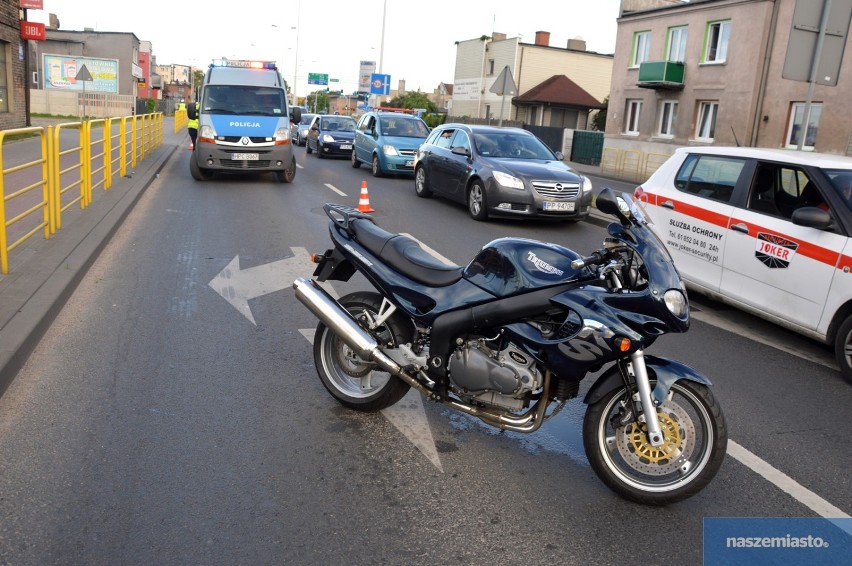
(332, 37)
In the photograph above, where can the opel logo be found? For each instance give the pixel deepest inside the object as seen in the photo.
(558, 187)
(245, 141)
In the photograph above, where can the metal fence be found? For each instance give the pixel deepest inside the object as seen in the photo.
(72, 160)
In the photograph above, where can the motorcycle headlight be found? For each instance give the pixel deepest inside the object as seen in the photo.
(508, 180)
(676, 303)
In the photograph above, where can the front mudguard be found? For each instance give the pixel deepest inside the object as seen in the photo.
(660, 370)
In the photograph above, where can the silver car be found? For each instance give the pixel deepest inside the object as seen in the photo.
(300, 130)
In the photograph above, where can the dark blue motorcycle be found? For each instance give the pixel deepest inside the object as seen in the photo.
(515, 331)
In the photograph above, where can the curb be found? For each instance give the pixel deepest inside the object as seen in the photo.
(56, 266)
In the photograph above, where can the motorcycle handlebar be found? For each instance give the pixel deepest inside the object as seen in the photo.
(596, 258)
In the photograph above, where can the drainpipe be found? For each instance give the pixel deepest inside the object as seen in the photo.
(764, 75)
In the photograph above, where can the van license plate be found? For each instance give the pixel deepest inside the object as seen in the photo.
(559, 206)
(245, 156)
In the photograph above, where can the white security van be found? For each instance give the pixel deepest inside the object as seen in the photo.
(244, 122)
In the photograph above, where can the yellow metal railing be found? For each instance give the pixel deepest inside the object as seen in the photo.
(631, 164)
(180, 120)
(67, 171)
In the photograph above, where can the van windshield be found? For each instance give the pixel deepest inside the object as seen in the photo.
(243, 100)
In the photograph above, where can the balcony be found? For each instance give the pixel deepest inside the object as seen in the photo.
(661, 75)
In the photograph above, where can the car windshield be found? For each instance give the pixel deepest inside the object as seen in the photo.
(338, 123)
(307, 119)
(512, 145)
(403, 127)
(841, 180)
(243, 101)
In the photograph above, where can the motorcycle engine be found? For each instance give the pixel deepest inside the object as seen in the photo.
(492, 377)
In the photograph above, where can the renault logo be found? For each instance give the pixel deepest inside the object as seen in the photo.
(245, 141)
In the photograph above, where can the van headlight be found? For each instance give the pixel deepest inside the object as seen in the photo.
(676, 303)
(282, 135)
(207, 132)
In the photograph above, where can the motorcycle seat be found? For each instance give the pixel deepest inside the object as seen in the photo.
(405, 255)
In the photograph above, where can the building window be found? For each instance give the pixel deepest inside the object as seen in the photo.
(490, 67)
(677, 44)
(716, 48)
(795, 121)
(631, 117)
(668, 115)
(705, 128)
(487, 111)
(641, 47)
(4, 77)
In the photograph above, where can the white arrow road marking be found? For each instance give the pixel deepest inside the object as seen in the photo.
(409, 417)
(239, 286)
(335, 189)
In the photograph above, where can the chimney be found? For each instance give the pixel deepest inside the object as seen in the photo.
(577, 44)
(497, 36)
(542, 38)
(54, 21)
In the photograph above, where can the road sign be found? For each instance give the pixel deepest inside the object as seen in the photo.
(317, 79)
(380, 84)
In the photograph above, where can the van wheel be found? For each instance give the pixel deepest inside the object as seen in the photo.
(287, 175)
(843, 348)
(355, 163)
(377, 167)
(197, 172)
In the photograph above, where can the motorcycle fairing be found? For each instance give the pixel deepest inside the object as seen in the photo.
(662, 370)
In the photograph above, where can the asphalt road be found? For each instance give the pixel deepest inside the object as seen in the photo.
(156, 423)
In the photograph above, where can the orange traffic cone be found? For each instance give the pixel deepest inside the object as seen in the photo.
(364, 202)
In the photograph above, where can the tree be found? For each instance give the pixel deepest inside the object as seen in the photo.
(317, 100)
(197, 81)
(413, 100)
(599, 119)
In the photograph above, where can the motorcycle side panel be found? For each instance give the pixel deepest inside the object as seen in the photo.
(663, 370)
(508, 266)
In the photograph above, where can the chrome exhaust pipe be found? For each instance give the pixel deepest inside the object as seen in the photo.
(339, 321)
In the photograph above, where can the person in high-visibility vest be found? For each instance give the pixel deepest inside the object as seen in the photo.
(192, 122)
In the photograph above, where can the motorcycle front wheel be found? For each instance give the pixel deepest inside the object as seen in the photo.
(357, 383)
(695, 442)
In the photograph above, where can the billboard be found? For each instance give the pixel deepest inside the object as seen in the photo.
(364, 74)
(60, 72)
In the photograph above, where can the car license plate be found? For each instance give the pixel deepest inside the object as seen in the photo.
(245, 156)
(409, 163)
(345, 146)
(559, 206)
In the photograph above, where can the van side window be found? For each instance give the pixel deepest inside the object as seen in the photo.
(709, 176)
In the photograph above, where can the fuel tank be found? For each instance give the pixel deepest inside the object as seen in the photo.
(508, 266)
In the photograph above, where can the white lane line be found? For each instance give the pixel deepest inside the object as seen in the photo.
(785, 483)
(335, 189)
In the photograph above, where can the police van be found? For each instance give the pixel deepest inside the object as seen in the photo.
(244, 122)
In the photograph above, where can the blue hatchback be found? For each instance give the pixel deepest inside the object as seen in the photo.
(388, 142)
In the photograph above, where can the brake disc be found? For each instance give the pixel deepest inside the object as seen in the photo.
(678, 442)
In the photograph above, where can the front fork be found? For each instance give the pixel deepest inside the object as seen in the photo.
(640, 374)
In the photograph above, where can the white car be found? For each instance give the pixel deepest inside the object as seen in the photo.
(764, 230)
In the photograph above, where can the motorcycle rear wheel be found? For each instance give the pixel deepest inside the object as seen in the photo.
(622, 457)
(354, 382)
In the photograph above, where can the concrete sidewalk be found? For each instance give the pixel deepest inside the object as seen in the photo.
(44, 273)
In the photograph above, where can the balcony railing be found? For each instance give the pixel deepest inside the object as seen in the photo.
(661, 75)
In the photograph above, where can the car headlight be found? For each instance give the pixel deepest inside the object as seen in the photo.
(327, 138)
(281, 134)
(508, 180)
(389, 150)
(676, 303)
(587, 184)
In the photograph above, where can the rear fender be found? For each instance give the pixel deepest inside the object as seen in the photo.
(335, 266)
(661, 370)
